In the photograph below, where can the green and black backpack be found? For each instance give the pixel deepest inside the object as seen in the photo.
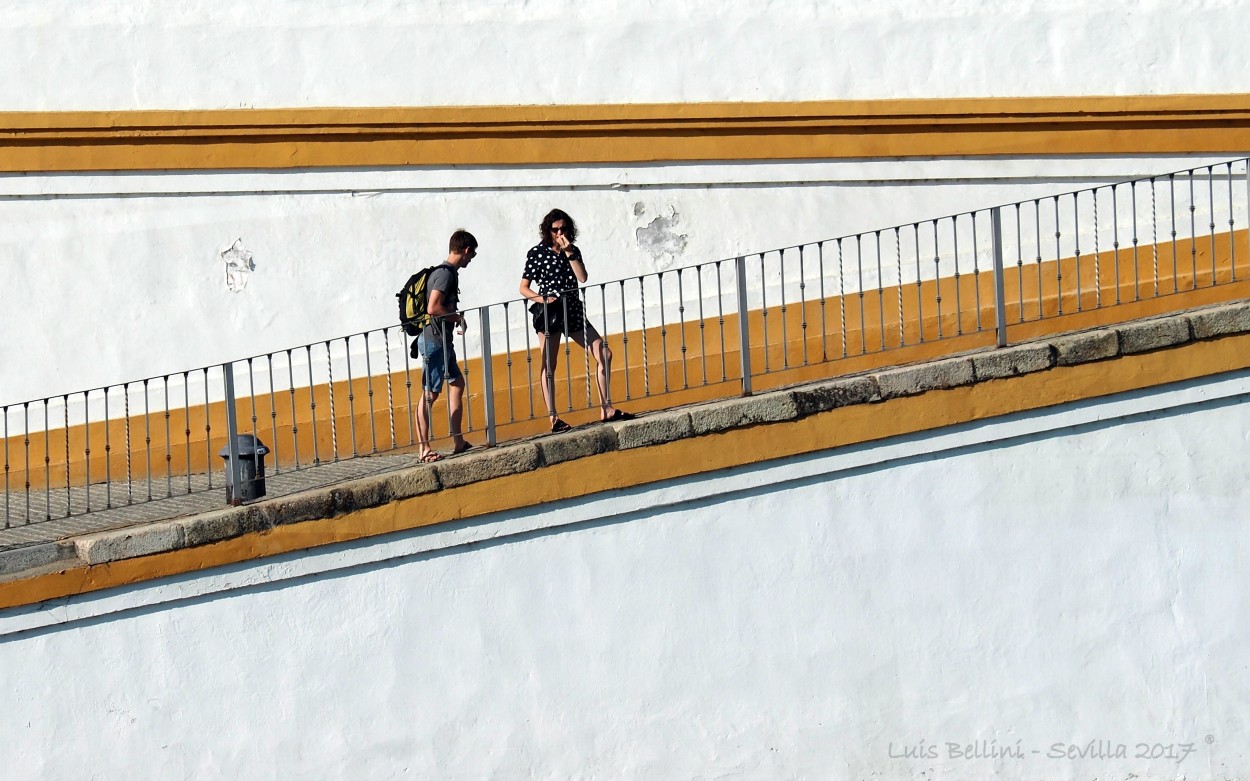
(413, 298)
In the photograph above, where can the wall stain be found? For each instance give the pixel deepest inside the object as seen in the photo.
(238, 266)
(659, 237)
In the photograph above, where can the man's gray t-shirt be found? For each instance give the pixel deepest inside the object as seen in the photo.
(446, 279)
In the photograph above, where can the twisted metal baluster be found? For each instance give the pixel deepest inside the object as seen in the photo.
(1097, 258)
(646, 362)
(586, 352)
(390, 397)
(334, 431)
(1154, 236)
(69, 507)
(842, 297)
(130, 480)
(898, 262)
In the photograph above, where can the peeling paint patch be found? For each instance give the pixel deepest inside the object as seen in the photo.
(659, 237)
(238, 266)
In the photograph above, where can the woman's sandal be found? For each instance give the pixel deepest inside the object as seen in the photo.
(430, 456)
(559, 425)
(618, 415)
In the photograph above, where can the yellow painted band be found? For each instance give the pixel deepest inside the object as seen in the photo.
(506, 135)
(683, 458)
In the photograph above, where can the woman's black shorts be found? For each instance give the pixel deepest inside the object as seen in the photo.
(565, 316)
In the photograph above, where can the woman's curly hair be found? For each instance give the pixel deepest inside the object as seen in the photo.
(570, 227)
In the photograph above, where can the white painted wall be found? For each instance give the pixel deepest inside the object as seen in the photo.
(113, 278)
(1066, 578)
(123, 54)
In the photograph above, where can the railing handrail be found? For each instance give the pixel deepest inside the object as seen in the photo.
(940, 280)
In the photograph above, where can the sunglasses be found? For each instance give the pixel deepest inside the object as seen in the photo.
(559, 229)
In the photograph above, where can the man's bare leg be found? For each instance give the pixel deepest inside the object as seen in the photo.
(455, 414)
(428, 397)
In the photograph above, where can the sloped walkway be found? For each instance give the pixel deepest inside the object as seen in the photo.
(334, 489)
(139, 510)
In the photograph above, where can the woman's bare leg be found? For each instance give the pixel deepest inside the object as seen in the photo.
(592, 342)
(548, 373)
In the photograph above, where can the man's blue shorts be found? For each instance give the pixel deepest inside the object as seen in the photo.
(440, 363)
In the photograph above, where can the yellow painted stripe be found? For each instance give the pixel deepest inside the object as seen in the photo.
(504, 135)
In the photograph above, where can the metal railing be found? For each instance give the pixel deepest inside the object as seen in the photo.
(718, 328)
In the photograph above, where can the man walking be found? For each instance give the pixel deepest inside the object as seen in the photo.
(438, 348)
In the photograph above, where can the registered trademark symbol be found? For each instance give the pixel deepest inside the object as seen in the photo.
(1210, 739)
